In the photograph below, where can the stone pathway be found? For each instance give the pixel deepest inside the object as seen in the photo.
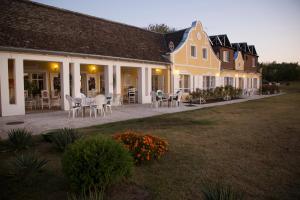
(40, 122)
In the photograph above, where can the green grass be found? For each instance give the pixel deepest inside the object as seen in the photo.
(252, 146)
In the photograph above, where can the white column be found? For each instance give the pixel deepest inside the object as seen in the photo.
(65, 84)
(141, 85)
(200, 82)
(18, 108)
(191, 83)
(175, 83)
(148, 82)
(117, 79)
(4, 85)
(75, 72)
(108, 77)
(19, 78)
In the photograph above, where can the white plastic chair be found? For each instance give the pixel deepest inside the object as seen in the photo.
(117, 99)
(100, 101)
(45, 99)
(109, 99)
(131, 95)
(154, 102)
(72, 107)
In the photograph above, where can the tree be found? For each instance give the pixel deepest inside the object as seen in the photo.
(280, 71)
(160, 28)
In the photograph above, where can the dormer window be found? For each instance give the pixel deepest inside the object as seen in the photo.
(193, 51)
(226, 57)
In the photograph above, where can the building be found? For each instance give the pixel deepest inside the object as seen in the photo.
(65, 52)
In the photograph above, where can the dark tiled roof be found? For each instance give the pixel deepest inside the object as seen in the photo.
(24, 24)
(175, 37)
(252, 49)
(220, 40)
(245, 48)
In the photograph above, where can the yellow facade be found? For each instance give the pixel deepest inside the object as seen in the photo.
(183, 61)
(197, 66)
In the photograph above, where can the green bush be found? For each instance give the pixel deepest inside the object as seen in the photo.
(96, 163)
(63, 137)
(19, 139)
(25, 166)
(220, 191)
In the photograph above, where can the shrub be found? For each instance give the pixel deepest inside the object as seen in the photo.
(63, 137)
(220, 191)
(25, 166)
(96, 162)
(143, 147)
(270, 89)
(19, 139)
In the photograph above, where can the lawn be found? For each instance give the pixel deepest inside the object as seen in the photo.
(253, 146)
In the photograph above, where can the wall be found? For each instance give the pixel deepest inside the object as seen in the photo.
(248, 63)
(239, 62)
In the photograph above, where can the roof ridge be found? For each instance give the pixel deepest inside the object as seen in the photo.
(32, 2)
(176, 31)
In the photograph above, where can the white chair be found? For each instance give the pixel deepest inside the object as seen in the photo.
(154, 102)
(29, 103)
(177, 98)
(45, 99)
(73, 107)
(55, 98)
(100, 101)
(131, 95)
(117, 100)
(109, 99)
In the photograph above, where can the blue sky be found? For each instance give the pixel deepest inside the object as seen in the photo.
(273, 26)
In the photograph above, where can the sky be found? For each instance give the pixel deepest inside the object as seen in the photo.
(273, 26)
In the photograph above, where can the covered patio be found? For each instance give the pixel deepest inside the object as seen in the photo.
(34, 83)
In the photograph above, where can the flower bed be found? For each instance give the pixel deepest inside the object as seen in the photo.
(143, 147)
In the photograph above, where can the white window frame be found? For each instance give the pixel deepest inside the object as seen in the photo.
(182, 81)
(195, 51)
(205, 48)
(226, 56)
(211, 82)
(228, 81)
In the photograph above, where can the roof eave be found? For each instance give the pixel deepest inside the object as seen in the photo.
(62, 53)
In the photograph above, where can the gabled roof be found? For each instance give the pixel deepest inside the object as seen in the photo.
(30, 25)
(252, 49)
(245, 48)
(220, 40)
(175, 37)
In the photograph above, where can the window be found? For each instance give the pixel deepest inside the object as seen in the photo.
(226, 56)
(193, 51)
(209, 82)
(12, 81)
(204, 53)
(228, 81)
(184, 82)
(157, 82)
(241, 83)
(255, 83)
(253, 62)
(38, 79)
